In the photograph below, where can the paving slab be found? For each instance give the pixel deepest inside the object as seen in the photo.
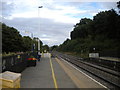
(80, 79)
(41, 75)
(63, 80)
(53, 72)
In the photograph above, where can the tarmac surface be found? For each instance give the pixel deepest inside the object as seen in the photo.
(56, 73)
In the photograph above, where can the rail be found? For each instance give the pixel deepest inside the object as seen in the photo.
(107, 75)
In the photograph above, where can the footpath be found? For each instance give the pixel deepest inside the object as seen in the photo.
(56, 73)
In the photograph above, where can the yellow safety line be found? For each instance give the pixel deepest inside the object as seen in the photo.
(53, 75)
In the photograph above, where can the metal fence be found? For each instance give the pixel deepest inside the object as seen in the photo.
(110, 64)
(110, 54)
(16, 63)
(114, 65)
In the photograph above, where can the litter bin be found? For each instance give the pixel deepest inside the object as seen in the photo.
(31, 61)
(10, 80)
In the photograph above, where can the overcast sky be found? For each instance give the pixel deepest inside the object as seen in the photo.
(52, 23)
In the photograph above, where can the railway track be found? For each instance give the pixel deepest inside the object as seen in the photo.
(108, 76)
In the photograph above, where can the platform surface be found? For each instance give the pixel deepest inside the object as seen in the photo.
(55, 73)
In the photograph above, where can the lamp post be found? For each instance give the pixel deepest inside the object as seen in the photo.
(38, 45)
(33, 45)
(39, 29)
(30, 33)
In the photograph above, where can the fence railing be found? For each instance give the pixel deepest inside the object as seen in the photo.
(16, 63)
(110, 64)
(110, 54)
(114, 65)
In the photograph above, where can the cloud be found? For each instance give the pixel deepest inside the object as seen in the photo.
(52, 23)
(29, 9)
(47, 30)
(86, 0)
(108, 5)
(67, 11)
(6, 9)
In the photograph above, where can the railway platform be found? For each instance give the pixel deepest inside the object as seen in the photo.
(56, 73)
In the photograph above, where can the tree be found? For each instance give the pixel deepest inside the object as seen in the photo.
(45, 48)
(101, 33)
(105, 24)
(11, 39)
(81, 29)
(27, 43)
(118, 5)
(53, 47)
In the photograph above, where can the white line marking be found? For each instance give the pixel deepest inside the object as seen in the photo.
(84, 73)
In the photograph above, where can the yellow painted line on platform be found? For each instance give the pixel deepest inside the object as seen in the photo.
(53, 75)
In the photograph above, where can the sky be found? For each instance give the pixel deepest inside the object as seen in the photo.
(54, 21)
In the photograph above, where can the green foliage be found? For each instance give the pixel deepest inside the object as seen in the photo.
(118, 5)
(53, 47)
(105, 24)
(12, 41)
(101, 33)
(81, 29)
(45, 48)
(27, 46)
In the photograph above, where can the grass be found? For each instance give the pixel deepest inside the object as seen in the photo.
(86, 55)
(111, 58)
(8, 54)
(83, 55)
(12, 53)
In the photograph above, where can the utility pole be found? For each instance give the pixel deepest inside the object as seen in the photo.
(38, 45)
(39, 29)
